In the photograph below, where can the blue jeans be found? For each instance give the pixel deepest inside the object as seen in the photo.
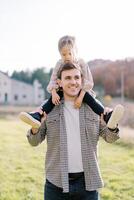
(76, 191)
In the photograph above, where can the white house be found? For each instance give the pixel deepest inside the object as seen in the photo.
(14, 92)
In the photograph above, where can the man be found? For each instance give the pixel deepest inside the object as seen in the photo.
(72, 170)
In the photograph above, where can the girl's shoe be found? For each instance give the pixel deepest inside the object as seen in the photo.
(33, 119)
(115, 116)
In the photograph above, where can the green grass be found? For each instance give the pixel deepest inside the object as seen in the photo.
(22, 166)
(117, 167)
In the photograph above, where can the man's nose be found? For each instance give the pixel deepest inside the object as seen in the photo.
(73, 81)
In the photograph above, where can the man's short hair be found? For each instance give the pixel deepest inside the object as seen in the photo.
(68, 66)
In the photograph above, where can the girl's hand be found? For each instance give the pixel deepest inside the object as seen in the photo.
(78, 102)
(55, 98)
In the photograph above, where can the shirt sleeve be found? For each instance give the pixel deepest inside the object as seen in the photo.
(53, 80)
(107, 134)
(87, 76)
(36, 139)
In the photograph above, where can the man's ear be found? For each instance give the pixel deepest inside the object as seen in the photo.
(59, 82)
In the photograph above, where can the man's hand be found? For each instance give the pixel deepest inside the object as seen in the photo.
(107, 110)
(34, 130)
(43, 118)
(103, 123)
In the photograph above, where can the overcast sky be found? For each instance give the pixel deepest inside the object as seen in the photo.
(30, 29)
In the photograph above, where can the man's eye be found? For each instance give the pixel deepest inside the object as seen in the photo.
(67, 78)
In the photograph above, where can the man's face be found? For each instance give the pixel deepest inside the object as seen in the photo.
(71, 82)
(68, 54)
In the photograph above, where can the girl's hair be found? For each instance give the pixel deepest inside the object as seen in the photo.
(66, 40)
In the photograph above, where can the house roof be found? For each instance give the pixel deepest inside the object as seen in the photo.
(6, 74)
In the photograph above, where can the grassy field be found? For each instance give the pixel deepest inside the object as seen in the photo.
(22, 166)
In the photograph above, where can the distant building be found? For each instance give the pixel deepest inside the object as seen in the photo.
(14, 92)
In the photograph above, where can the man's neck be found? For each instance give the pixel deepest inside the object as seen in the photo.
(66, 98)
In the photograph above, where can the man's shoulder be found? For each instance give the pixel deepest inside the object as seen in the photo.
(55, 113)
(89, 113)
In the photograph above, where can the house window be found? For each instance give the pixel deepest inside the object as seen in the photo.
(6, 97)
(24, 96)
(15, 97)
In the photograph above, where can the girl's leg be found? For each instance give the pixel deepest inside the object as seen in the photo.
(34, 118)
(93, 103)
(48, 105)
(112, 118)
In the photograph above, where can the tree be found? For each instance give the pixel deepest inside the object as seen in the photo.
(42, 76)
(24, 76)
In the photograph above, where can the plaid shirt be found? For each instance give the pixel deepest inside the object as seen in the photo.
(56, 164)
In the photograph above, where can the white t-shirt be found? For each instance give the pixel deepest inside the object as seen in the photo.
(73, 137)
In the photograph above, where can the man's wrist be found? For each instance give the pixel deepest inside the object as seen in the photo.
(114, 130)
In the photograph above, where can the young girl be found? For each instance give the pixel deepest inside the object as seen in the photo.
(68, 51)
